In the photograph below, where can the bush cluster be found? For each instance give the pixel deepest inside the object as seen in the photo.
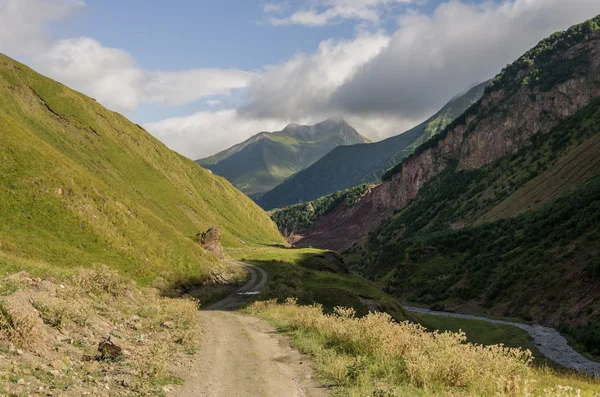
(375, 356)
(305, 214)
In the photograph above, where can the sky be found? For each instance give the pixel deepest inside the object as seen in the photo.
(204, 75)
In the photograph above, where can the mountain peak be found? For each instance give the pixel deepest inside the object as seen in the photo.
(250, 165)
(336, 120)
(332, 122)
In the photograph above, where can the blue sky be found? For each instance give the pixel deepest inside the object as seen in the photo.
(202, 34)
(204, 75)
(181, 34)
(189, 34)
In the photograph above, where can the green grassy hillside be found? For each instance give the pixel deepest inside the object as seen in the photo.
(519, 237)
(349, 166)
(267, 159)
(83, 186)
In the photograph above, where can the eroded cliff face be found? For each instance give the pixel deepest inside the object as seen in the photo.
(517, 117)
(501, 123)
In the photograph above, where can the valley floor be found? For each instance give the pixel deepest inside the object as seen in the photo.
(548, 340)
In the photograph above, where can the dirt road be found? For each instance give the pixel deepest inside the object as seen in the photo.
(244, 356)
(548, 341)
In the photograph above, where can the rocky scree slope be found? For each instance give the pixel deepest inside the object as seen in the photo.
(546, 85)
(267, 159)
(83, 186)
(348, 166)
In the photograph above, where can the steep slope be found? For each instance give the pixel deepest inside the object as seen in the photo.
(348, 166)
(548, 84)
(519, 237)
(295, 219)
(83, 186)
(267, 159)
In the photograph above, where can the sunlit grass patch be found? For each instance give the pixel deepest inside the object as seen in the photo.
(376, 356)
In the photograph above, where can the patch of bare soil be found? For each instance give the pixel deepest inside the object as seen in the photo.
(244, 356)
(50, 335)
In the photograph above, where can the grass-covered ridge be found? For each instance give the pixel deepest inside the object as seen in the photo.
(84, 186)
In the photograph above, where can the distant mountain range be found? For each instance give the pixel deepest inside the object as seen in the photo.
(262, 162)
(348, 166)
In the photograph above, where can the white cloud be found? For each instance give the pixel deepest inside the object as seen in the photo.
(385, 85)
(178, 88)
(381, 84)
(302, 86)
(111, 76)
(107, 74)
(409, 76)
(431, 58)
(205, 133)
(24, 23)
(325, 12)
(274, 8)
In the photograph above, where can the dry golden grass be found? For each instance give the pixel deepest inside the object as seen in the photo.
(17, 328)
(375, 356)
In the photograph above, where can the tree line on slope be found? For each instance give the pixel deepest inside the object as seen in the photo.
(305, 214)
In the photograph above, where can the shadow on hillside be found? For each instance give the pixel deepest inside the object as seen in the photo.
(282, 246)
(326, 261)
(208, 293)
(205, 292)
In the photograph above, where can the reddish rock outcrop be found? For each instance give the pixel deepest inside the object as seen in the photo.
(210, 241)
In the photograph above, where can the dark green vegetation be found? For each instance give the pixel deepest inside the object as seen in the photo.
(544, 70)
(304, 215)
(82, 186)
(348, 166)
(317, 276)
(519, 237)
(483, 333)
(267, 159)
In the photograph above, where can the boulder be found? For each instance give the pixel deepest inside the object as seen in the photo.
(108, 350)
(210, 241)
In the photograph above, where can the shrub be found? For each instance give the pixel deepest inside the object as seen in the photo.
(413, 356)
(17, 327)
(102, 280)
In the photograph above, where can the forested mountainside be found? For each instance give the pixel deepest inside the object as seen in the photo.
(517, 238)
(544, 87)
(348, 166)
(499, 213)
